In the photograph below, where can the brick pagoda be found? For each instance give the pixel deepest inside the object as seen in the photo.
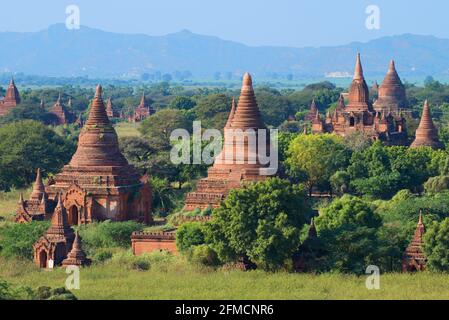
(38, 207)
(76, 256)
(110, 110)
(61, 114)
(11, 99)
(57, 241)
(98, 183)
(391, 93)
(232, 166)
(427, 134)
(359, 116)
(414, 258)
(142, 111)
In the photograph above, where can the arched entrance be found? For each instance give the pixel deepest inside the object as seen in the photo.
(73, 216)
(43, 259)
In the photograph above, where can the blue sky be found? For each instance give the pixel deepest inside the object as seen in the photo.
(254, 22)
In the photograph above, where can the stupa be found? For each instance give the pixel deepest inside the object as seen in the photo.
(391, 95)
(38, 207)
(238, 161)
(427, 134)
(142, 111)
(57, 241)
(98, 183)
(76, 256)
(414, 258)
(11, 99)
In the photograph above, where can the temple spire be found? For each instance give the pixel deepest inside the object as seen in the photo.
(38, 188)
(231, 114)
(358, 72)
(312, 230)
(247, 114)
(97, 114)
(426, 134)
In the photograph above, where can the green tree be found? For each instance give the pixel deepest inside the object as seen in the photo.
(348, 227)
(158, 128)
(189, 235)
(182, 103)
(436, 246)
(315, 158)
(262, 222)
(213, 111)
(26, 146)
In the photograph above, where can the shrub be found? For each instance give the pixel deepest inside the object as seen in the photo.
(436, 246)
(437, 184)
(205, 255)
(102, 256)
(108, 234)
(17, 239)
(46, 293)
(7, 292)
(188, 235)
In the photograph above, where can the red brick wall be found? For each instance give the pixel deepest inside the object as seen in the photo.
(148, 246)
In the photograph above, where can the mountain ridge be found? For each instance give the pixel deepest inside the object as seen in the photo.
(57, 51)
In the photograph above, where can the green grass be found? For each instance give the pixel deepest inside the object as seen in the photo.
(8, 203)
(181, 280)
(126, 129)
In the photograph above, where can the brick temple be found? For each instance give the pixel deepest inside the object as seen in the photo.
(11, 99)
(110, 110)
(360, 116)
(97, 184)
(232, 166)
(61, 114)
(142, 111)
(427, 133)
(414, 258)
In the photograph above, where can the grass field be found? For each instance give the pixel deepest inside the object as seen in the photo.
(126, 129)
(173, 277)
(178, 279)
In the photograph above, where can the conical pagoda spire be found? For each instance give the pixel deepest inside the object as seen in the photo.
(59, 221)
(231, 114)
(341, 103)
(358, 72)
(97, 114)
(358, 92)
(98, 141)
(109, 109)
(426, 134)
(247, 115)
(76, 256)
(12, 95)
(38, 188)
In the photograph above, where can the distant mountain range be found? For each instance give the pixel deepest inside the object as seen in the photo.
(58, 51)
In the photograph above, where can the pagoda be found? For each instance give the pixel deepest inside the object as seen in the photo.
(414, 258)
(427, 133)
(359, 116)
(238, 162)
(312, 111)
(11, 99)
(98, 183)
(110, 109)
(142, 111)
(76, 256)
(61, 114)
(391, 94)
(38, 207)
(57, 241)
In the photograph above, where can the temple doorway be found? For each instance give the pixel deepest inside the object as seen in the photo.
(73, 216)
(43, 259)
